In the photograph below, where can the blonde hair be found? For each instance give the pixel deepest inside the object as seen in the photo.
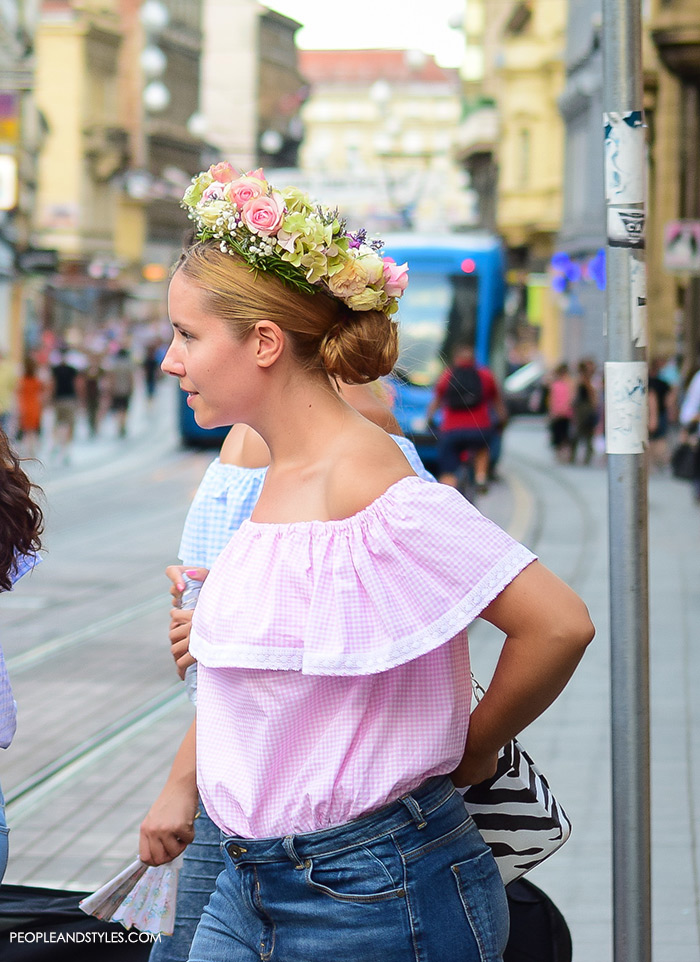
(353, 346)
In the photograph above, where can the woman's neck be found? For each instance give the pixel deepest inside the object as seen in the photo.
(304, 420)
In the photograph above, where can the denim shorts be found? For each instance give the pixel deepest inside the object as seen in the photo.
(411, 882)
(451, 444)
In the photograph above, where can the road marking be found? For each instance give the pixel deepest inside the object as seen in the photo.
(523, 508)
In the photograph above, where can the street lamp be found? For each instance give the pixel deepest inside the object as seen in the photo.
(153, 61)
(154, 16)
(154, 19)
(156, 96)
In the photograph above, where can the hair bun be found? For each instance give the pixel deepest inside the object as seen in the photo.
(361, 347)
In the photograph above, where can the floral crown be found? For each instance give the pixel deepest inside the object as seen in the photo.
(283, 232)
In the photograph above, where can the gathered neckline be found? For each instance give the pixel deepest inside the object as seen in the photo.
(332, 522)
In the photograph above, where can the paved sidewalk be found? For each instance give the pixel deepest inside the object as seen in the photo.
(567, 526)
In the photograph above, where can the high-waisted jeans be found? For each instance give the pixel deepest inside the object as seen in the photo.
(411, 882)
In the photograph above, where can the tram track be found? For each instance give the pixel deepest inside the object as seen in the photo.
(26, 796)
(62, 643)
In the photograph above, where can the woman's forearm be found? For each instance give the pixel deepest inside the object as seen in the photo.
(547, 630)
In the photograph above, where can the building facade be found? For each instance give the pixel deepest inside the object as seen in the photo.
(252, 88)
(671, 73)
(118, 152)
(583, 231)
(77, 88)
(675, 174)
(511, 143)
(379, 137)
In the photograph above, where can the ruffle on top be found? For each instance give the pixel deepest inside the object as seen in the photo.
(358, 595)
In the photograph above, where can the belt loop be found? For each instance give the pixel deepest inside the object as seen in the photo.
(290, 851)
(414, 809)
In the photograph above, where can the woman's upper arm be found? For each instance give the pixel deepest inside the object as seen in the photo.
(540, 606)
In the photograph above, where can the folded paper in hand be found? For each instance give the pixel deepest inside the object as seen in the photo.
(142, 896)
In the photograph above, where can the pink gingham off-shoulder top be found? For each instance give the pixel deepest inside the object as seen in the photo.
(333, 658)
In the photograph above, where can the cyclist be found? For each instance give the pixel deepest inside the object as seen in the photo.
(471, 404)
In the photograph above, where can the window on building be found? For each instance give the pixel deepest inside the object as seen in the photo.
(523, 158)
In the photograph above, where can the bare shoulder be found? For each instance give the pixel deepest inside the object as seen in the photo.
(245, 448)
(364, 471)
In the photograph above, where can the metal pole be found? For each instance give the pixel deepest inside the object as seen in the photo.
(626, 440)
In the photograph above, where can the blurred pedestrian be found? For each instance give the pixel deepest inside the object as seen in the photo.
(560, 411)
(689, 419)
(661, 402)
(334, 700)
(584, 411)
(151, 369)
(21, 523)
(31, 391)
(121, 386)
(94, 392)
(467, 395)
(8, 385)
(65, 389)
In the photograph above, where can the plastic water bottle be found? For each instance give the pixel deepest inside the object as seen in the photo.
(189, 600)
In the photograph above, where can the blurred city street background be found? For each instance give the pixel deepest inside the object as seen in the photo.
(467, 132)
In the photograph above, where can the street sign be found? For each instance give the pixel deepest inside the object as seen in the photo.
(682, 246)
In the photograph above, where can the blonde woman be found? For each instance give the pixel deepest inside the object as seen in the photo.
(333, 705)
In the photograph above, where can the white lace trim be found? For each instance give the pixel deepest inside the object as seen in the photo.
(395, 652)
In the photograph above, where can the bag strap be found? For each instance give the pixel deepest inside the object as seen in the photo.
(479, 692)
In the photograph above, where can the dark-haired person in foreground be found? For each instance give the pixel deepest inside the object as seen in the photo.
(21, 523)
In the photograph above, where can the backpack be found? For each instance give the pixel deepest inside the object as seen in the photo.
(465, 389)
(538, 930)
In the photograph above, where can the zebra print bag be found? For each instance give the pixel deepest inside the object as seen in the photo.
(516, 812)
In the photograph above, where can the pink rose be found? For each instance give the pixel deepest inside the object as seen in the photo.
(223, 172)
(263, 215)
(395, 277)
(214, 191)
(258, 174)
(246, 188)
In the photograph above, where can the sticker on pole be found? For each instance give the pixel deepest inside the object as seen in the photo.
(638, 300)
(626, 417)
(625, 227)
(625, 147)
(625, 150)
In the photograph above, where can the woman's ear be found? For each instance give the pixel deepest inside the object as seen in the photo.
(269, 343)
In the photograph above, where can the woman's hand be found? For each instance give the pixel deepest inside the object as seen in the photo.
(181, 618)
(175, 573)
(168, 828)
(179, 635)
(474, 768)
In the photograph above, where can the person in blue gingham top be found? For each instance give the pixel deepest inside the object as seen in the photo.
(224, 499)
